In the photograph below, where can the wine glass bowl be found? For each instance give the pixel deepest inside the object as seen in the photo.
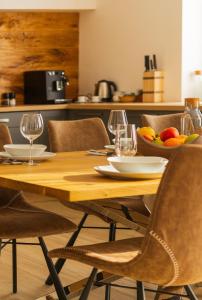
(116, 117)
(31, 127)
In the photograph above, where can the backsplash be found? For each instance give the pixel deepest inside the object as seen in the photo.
(37, 41)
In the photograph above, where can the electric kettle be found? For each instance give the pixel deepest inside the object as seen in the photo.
(105, 89)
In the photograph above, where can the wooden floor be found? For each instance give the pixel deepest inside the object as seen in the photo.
(32, 269)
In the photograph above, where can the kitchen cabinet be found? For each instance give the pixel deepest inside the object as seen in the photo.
(50, 5)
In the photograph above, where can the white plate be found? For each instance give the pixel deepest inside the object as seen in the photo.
(110, 147)
(43, 156)
(112, 172)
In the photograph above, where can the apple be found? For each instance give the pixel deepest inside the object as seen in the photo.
(169, 133)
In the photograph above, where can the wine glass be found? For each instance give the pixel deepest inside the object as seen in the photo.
(126, 140)
(31, 127)
(116, 117)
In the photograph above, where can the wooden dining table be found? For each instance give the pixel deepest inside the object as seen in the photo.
(70, 176)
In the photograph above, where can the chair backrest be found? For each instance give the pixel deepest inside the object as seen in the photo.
(158, 123)
(173, 242)
(5, 137)
(77, 135)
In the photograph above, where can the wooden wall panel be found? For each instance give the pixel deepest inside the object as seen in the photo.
(37, 41)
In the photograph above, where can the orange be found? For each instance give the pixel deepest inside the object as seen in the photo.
(172, 142)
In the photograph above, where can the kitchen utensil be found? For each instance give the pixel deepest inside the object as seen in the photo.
(154, 62)
(105, 89)
(147, 63)
(99, 153)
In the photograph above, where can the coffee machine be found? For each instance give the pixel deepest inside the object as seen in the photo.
(45, 87)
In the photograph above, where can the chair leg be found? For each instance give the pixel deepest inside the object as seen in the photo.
(112, 236)
(56, 281)
(61, 261)
(140, 291)
(86, 291)
(14, 265)
(190, 292)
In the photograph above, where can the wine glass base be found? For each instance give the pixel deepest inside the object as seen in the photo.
(32, 163)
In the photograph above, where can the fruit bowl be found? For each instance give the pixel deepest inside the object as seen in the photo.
(24, 149)
(145, 147)
(138, 164)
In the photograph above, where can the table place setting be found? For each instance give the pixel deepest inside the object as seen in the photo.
(31, 127)
(137, 167)
(124, 163)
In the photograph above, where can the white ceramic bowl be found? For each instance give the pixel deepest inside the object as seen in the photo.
(138, 164)
(24, 149)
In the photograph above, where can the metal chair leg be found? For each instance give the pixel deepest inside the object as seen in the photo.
(112, 236)
(190, 292)
(56, 281)
(14, 265)
(86, 291)
(140, 291)
(61, 261)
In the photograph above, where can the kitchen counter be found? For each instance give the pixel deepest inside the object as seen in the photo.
(166, 106)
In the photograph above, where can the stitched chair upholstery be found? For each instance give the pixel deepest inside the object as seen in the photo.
(170, 252)
(77, 135)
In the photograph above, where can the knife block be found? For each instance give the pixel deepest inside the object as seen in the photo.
(153, 86)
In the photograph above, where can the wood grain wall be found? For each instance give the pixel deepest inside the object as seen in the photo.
(37, 41)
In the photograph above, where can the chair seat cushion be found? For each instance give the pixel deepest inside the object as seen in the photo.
(21, 220)
(103, 255)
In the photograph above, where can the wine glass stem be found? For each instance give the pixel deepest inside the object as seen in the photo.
(31, 162)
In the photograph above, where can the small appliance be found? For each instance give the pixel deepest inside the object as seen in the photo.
(45, 87)
(105, 89)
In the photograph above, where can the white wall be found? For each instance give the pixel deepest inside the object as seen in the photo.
(191, 48)
(115, 38)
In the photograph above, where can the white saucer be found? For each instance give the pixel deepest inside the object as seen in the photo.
(44, 156)
(110, 147)
(112, 172)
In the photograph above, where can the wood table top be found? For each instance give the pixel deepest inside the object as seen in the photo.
(70, 176)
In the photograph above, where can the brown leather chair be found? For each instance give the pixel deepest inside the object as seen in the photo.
(84, 135)
(19, 219)
(160, 122)
(169, 255)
